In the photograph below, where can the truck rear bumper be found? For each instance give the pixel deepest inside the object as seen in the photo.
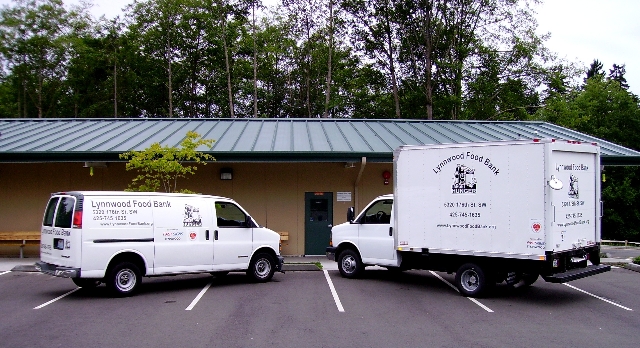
(576, 273)
(58, 271)
(331, 253)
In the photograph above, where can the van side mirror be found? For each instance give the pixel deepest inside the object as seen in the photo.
(350, 214)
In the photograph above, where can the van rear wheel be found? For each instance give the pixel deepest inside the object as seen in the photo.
(261, 268)
(124, 279)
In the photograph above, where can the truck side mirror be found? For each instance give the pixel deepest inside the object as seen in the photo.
(350, 214)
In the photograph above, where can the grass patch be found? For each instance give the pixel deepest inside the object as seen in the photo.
(636, 260)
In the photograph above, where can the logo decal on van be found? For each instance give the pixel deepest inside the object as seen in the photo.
(192, 216)
(464, 180)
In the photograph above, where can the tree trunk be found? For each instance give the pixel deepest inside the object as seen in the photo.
(327, 93)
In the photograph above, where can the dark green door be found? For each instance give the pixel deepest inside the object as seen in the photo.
(318, 213)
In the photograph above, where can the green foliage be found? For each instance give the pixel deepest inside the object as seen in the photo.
(160, 167)
(604, 109)
(636, 260)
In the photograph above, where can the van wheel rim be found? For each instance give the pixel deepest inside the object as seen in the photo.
(349, 264)
(125, 280)
(263, 268)
(470, 280)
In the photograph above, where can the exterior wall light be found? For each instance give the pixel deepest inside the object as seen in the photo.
(226, 174)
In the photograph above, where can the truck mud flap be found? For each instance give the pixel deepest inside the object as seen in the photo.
(576, 273)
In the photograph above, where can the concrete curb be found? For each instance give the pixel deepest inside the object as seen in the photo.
(632, 266)
(24, 268)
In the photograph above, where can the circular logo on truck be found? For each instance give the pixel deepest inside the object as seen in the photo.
(536, 227)
(192, 235)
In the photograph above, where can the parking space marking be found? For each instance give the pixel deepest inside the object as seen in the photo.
(598, 297)
(57, 298)
(336, 299)
(456, 289)
(5, 272)
(195, 300)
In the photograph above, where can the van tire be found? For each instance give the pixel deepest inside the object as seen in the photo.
(350, 264)
(124, 279)
(472, 281)
(529, 278)
(261, 268)
(86, 283)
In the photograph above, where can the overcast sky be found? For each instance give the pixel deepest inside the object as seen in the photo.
(581, 30)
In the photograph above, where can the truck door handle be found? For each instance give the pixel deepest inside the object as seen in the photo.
(215, 234)
(390, 231)
(207, 234)
(329, 225)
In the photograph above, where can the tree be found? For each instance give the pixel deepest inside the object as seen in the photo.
(161, 166)
(617, 74)
(595, 69)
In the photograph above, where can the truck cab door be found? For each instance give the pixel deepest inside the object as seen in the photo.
(232, 238)
(375, 233)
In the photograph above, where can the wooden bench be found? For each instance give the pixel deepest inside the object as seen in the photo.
(19, 239)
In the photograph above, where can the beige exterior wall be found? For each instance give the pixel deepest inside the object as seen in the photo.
(273, 193)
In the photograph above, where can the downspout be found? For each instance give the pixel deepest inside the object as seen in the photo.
(357, 183)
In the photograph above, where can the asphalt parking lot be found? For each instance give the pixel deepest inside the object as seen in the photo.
(319, 309)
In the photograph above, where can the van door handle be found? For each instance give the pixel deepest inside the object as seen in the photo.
(390, 231)
(215, 234)
(207, 234)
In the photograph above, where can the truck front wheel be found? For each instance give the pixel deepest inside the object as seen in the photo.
(261, 268)
(350, 264)
(124, 279)
(471, 280)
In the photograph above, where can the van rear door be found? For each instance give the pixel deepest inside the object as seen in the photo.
(60, 240)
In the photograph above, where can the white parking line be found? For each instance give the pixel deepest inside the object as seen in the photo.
(5, 272)
(598, 297)
(57, 298)
(195, 300)
(456, 289)
(336, 299)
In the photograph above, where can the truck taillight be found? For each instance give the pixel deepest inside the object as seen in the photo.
(77, 219)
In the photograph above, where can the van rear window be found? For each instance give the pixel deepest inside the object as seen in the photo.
(64, 216)
(49, 213)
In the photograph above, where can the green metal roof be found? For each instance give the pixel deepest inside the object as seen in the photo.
(267, 140)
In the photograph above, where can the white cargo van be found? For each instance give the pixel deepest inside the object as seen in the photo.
(490, 212)
(119, 237)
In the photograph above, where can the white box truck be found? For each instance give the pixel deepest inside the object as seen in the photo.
(490, 212)
(119, 237)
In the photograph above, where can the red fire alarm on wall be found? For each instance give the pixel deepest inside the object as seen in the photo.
(386, 176)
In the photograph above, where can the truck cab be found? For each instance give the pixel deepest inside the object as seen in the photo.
(368, 238)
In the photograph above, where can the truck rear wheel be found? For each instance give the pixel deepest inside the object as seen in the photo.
(261, 268)
(123, 279)
(350, 264)
(529, 278)
(471, 280)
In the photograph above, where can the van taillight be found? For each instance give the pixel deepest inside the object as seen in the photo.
(77, 219)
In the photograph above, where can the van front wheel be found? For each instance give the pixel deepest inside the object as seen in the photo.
(124, 279)
(261, 268)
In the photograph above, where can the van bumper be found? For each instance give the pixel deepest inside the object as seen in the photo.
(58, 271)
(331, 253)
